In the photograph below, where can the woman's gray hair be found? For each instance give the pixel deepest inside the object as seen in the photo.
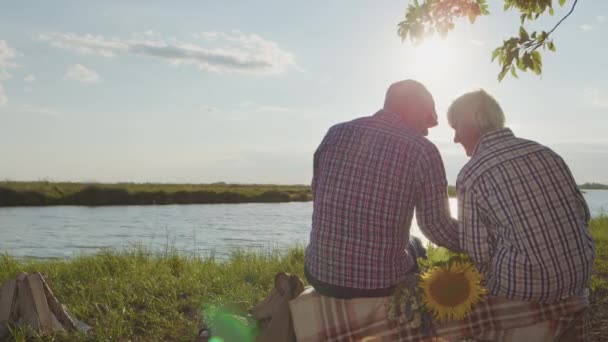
(480, 109)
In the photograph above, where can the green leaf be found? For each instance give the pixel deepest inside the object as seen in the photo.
(537, 57)
(551, 11)
(502, 74)
(562, 2)
(497, 52)
(513, 72)
(527, 61)
(520, 64)
(472, 16)
(523, 35)
(551, 46)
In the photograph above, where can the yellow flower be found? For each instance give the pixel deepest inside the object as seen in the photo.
(449, 292)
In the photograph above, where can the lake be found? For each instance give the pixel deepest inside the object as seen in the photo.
(204, 229)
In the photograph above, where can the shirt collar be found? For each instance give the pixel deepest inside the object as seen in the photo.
(491, 138)
(391, 117)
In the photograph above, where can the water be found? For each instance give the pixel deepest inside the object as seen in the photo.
(57, 232)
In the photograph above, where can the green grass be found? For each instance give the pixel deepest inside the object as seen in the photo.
(57, 193)
(599, 279)
(67, 193)
(593, 186)
(59, 189)
(133, 295)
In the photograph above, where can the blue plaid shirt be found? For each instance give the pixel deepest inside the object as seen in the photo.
(523, 220)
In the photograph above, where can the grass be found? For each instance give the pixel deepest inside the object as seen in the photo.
(599, 279)
(67, 193)
(44, 193)
(40, 193)
(133, 295)
(593, 186)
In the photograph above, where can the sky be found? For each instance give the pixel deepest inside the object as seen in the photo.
(244, 91)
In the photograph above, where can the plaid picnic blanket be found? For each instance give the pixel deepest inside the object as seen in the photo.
(319, 318)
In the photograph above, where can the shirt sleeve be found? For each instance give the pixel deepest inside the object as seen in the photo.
(315, 160)
(474, 236)
(432, 203)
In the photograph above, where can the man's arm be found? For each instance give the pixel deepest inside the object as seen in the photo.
(315, 161)
(474, 236)
(432, 203)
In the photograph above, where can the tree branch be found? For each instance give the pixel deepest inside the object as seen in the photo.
(564, 18)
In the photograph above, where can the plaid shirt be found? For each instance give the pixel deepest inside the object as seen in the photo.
(523, 220)
(369, 174)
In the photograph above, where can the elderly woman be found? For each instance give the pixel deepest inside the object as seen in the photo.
(521, 216)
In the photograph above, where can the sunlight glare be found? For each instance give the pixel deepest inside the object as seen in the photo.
(433, 59)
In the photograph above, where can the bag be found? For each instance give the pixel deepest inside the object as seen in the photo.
(273, 312)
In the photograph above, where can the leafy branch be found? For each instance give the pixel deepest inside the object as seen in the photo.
(424, 19)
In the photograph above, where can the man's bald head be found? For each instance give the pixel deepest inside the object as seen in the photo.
(414, 103)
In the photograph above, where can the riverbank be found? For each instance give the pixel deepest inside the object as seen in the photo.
(134, 295)
(98, 194)
(13, 194)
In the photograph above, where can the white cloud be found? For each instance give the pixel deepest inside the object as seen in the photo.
(601, 18)
(7, 56)
(85, 44)
(3, 98)
(240, 52)
(79, 72)
(39, 110)
(586, 27)
(29, 78)
(596, 98)
(209, 109)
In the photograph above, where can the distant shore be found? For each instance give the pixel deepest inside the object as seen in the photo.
(593, 186)
(13, 193)
(98, 194)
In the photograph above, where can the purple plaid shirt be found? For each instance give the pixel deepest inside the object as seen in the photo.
(523, 220)
(369, 175)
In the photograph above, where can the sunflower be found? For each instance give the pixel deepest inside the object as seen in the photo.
(450, 291)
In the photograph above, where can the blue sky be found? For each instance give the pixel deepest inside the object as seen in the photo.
(243, 91)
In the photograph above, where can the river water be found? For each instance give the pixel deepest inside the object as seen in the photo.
(201, 229)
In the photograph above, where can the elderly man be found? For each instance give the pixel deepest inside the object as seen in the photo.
(522, 219)
(369, 175)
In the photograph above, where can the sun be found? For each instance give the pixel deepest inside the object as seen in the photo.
(449, 292)
(433, 57)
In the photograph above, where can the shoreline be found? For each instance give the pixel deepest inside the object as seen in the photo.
(37, 194)
(43, 194)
